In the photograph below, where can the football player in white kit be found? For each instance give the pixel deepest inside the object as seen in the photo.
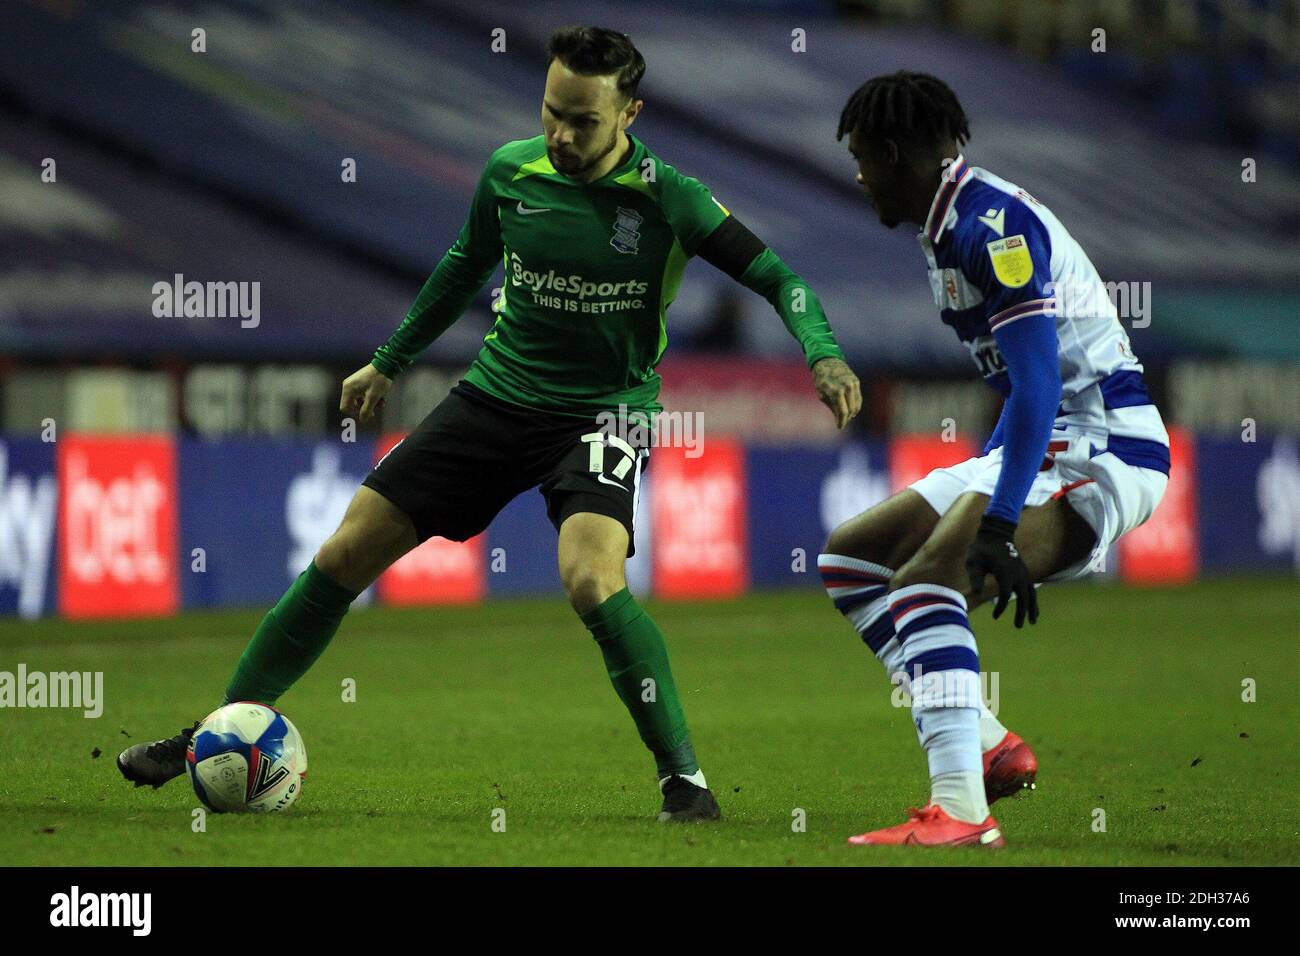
(1079, 455)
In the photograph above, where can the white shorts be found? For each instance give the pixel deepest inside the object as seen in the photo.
(1111, 496)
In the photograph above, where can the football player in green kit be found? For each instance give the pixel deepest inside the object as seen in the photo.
(594, 231)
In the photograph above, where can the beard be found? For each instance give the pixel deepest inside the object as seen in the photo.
(570, 166)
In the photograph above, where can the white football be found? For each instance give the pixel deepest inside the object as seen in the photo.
(246, 758)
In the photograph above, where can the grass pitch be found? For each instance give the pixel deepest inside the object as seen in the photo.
(1132, 699)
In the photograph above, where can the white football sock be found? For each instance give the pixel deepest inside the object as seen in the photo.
(931, 623)
(991, 730)
(961, 795)
(950, 736)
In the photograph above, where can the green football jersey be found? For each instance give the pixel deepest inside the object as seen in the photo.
(590, 271)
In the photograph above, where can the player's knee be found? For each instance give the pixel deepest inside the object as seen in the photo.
(334, 559)
(866, 542)
(373, 534)
(354, 558)
(589, 586)
(929, 566)
(841, 541)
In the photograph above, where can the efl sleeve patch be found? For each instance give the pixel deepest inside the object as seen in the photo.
(1012, 263)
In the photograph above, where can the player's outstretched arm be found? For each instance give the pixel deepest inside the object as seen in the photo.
(733, 249)
(1029, 348)
(456, 280)
(1011, 265)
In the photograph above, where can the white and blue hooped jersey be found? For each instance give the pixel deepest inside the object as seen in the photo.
(997, 256)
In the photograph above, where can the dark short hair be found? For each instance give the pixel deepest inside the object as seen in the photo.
(914, 109)
(596, 51)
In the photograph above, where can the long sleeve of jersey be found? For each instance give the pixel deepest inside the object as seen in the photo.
(732, 248)
(1013, 269)
(1029, 349)
(996, 438)
(447, 293)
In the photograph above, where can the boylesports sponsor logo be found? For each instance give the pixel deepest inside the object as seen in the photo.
(574, 284)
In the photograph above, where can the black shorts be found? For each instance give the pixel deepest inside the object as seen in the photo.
(474, 453)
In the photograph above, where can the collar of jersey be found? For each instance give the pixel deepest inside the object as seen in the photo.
(956, 175)
(543, 165)
(633, 161)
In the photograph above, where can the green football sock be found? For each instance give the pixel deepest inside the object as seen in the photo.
(635, 653)
(292, 635)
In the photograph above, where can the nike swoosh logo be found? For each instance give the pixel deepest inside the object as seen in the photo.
(994, 222)
(600, 477)
(525, 211)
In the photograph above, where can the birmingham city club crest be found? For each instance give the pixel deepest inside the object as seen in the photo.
(625, 237)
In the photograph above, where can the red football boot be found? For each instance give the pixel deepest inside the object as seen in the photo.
(1008, 768)
(930, 826)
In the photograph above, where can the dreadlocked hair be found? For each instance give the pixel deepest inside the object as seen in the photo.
(912, 108)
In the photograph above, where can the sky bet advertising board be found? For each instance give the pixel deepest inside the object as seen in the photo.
(146, 525)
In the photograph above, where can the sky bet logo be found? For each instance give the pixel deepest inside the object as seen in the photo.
(75, 908)
(28, 504)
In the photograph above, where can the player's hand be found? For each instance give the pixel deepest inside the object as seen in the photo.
(363, 393)
(994, 552)
(838, 388)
